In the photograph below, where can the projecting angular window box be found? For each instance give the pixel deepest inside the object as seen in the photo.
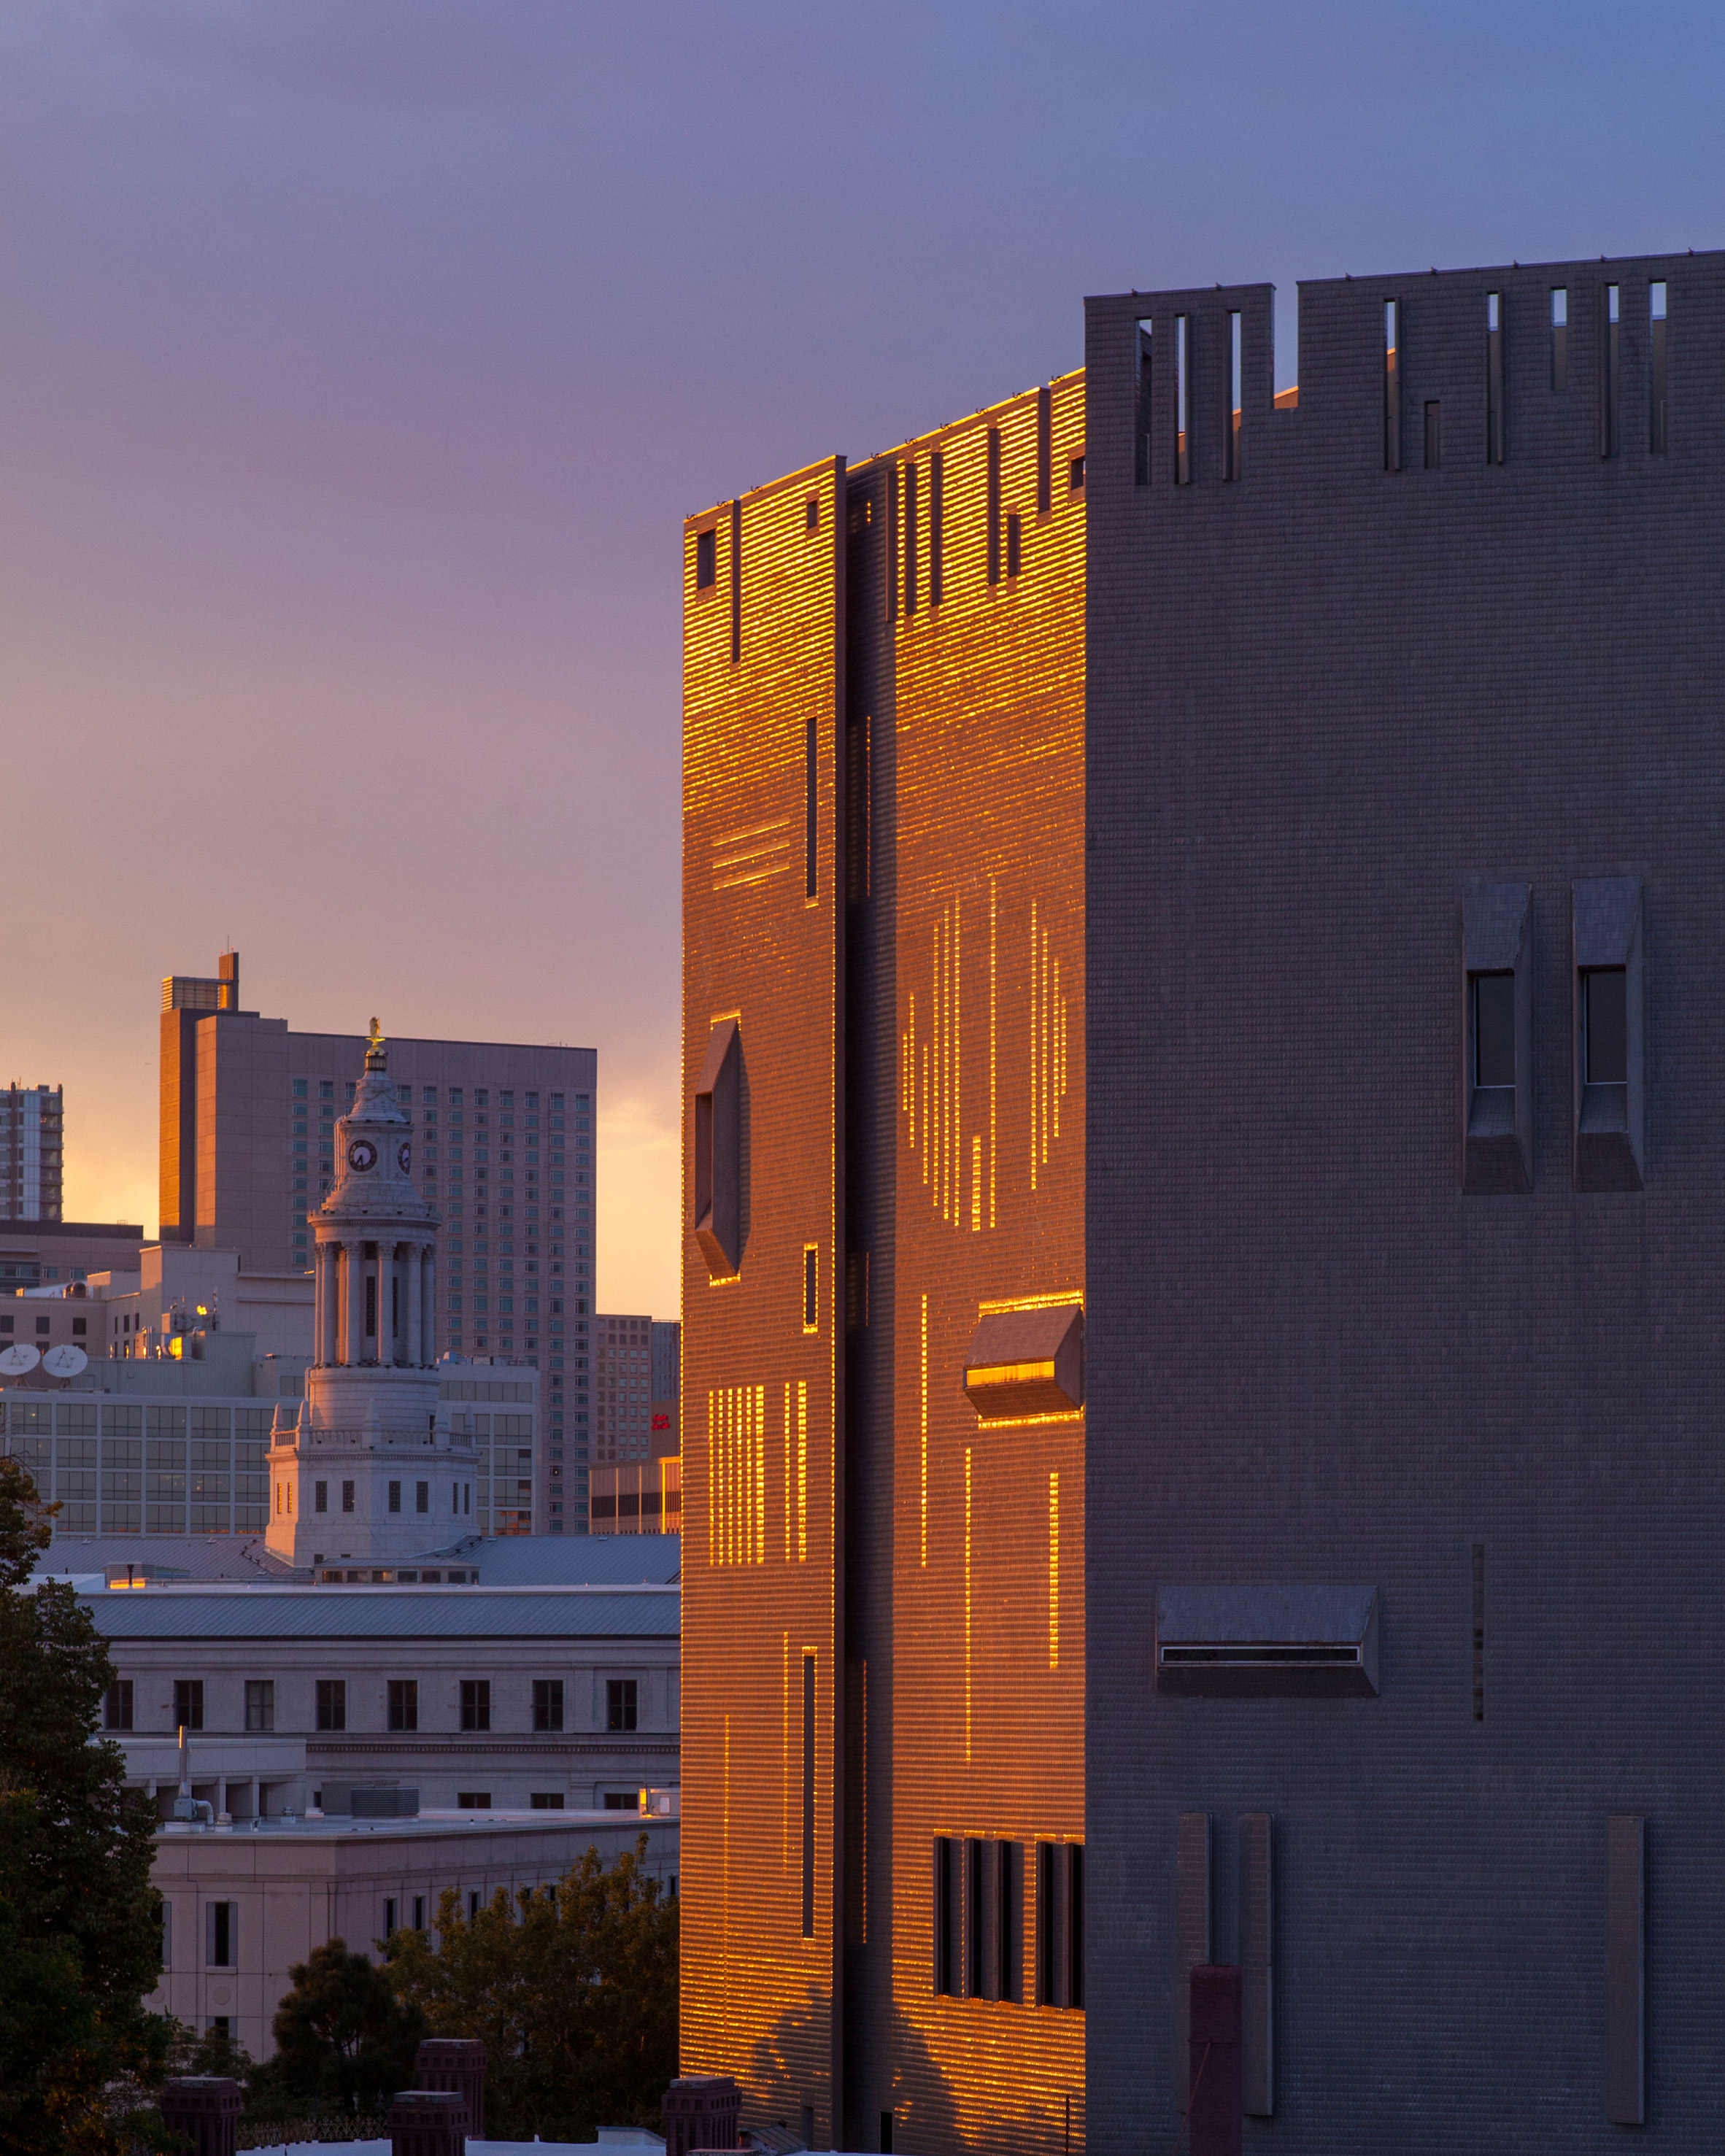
(1025, 1364)
(1267, 1642)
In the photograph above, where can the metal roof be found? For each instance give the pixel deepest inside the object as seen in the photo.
(386, 1613)
(572, 1560)
(499, 1560)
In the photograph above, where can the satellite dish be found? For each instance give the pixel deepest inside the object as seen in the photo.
(64, 1361)
(15, 1361)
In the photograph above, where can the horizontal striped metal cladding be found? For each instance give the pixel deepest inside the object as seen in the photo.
(1026, 1363)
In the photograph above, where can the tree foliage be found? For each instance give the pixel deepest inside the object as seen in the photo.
(344, 2042)
(80, 1925)
(573, 1989)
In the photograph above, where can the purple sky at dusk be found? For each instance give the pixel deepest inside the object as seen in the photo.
(359, 359)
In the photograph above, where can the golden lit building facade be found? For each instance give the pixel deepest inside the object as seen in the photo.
(883, 1432)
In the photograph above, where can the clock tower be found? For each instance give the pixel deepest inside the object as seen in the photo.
(368, 1474)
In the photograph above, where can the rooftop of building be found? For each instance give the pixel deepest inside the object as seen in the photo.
(323, 1827)
(498, 1561)
(223, 1611)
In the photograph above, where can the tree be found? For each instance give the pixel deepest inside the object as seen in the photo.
(344, 2042)
(573, 1989)
(80, 1925)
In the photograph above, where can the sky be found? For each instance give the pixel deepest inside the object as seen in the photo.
(359, 360)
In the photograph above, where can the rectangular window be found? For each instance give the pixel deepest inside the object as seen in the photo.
(188, 1703)
(475, 1702)
(1656, 367)
(976, 1898)
(1605, 1025)
(371, 1306)
(1143, 420)
(395, 1496)
(1047, 1925)
(260, 1703)
(1045, 450)
(116, 1706)
(347, 1496)
(811, 513)
(1559, 337)
(221, 1934)
(473, 1800)
(621, 1702)
(809, 1796)
(1433, 436)
(706, 560)
(993, 506)
(1182, 400)
(320, 1497)
(1074, 1924)
(1391, 386)
(422, 1497)
(946, 1973)
(1609, 375)
(1014, 543)
(388, 1916)
(403, 1703)
(1494, 378)
(910, 538)
(418, 1912)
(811, 1290)
(332, 1703)
(936, 529)
(736, 582)
(1009, 1921)
(811, 806)
(546, 1800)
(548, 1702)
(1236, 396)
(1494, 1029)
(1074, 475)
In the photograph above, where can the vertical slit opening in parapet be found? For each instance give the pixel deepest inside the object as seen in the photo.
(1045, 450)
(1434, 434)
(993, 506)
(910, 538)
(1182, 400)
(1479, 1631)
(936, 528)
(1140, 404)
(809, 1796)
(1560, 337)
(1231, 440)
(1494, 378)
(1612, 362)
(1656, 367)
(736, 582)
(1392, 385)
(1014, 543)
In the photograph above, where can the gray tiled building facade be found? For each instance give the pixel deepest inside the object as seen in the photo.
(1406, 766)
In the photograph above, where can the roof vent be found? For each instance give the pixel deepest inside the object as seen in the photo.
(1267, 1642)
(1025, 1364)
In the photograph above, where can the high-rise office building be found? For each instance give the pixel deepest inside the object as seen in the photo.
(32, 1151)
(504, 1143)
(1274, 903)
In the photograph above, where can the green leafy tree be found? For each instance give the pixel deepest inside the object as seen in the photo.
(572, 1989)
(344, 2042)
(80, 1925)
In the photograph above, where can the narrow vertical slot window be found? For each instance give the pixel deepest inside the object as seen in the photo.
(976, 1896)
(1182, 400)
(892, 539)
(1047, 1925)
(943, 1972)
(1494, 1030)
(811, 1287)
(1045, 450)
(1392, 385)
(1433, 436)
(1006, 1944)
(1014, 543)
(811, 797)
(811, 513)
(707, 569)
(1235, 395)
(1608, 375)
(1479, 1631)
(1494, 377)
(1074, 1924)
(1141, 418)
(994, 506)
(910, 538)
(1559, 338)
(809, 1796)
(1604, 1026)
(736, 582)
(1656, 368)
(936, 528)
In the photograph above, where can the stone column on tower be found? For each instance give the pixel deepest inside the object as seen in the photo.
(386, 1292)
(411, 1312)
(428, 1289)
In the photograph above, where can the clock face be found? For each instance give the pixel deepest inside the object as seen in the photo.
(404, 1157)
(361, 1155)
